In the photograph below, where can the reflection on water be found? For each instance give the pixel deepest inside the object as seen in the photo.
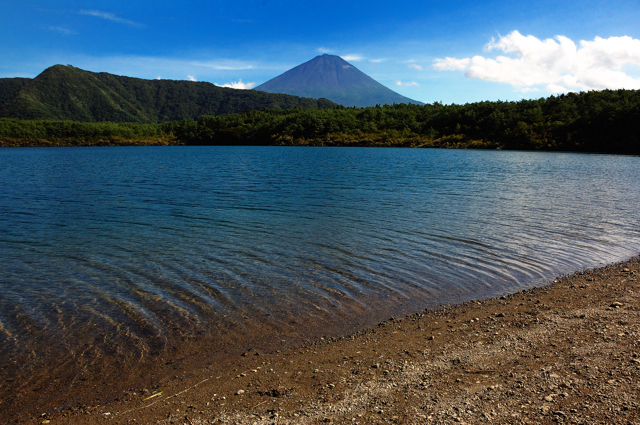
(126, 253)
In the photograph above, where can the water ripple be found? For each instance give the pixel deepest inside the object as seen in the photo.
(126, 253)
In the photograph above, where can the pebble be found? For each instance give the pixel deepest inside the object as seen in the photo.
(239, 392)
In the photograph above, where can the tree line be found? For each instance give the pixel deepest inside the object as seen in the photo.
(596, 121)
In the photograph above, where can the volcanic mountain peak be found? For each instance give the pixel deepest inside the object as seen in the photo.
(332, 77)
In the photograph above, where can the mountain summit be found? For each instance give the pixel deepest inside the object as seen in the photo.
(333, 78)
(70, 93)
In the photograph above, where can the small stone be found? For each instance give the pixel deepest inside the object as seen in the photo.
(548, 398)
(239, 392)
(616, 305)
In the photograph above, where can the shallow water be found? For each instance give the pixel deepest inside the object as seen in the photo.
(121, 255)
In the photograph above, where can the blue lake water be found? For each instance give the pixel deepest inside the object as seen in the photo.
(125, 254)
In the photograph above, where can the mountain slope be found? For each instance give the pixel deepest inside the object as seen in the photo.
(69, 93)
(332, 77)
(9, 87)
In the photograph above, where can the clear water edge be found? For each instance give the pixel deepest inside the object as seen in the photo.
(126, 253)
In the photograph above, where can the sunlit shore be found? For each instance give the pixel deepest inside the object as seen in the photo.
(566, 352)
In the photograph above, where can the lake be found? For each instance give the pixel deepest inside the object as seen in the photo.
(135, 263)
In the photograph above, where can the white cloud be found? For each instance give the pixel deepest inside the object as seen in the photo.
(414, 66)
(238, 85)
(352, 58)
(409, 84)
(172, 68)
(554, 88)
(452, 64)
(325, 50)
(159, 78)
(110, 17)
(555, 65)
(380, 60)
(191, 78)
(62, 30)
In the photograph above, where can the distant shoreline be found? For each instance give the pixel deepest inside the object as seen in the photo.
(595, 121)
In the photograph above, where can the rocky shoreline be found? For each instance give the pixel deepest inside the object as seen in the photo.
(568, 352)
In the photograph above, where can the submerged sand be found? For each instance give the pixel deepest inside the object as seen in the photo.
(568, 352)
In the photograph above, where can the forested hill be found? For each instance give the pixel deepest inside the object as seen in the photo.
(69, 93)
(597, 121)
(9, 86)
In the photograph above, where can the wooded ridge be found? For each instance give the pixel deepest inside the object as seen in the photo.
(69, 93)
(596, 121)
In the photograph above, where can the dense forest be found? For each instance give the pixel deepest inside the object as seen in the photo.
(69, 93)
(597, 121)
(16, 132)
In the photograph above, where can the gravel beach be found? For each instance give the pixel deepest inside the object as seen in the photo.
(568, 352)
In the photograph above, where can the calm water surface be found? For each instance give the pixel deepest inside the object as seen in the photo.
(126, 253)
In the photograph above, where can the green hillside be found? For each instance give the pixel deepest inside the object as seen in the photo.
(598, 121)
(69, 93)
(9, 86)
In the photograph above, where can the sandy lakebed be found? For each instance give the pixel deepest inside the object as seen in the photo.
(567, 352)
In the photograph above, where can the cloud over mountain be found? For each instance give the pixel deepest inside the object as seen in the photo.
(238, 85)
(556, 65)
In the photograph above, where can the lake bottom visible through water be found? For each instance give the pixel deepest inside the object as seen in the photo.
(127, 267)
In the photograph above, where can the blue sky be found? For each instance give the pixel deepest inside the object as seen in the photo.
(448, 51)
